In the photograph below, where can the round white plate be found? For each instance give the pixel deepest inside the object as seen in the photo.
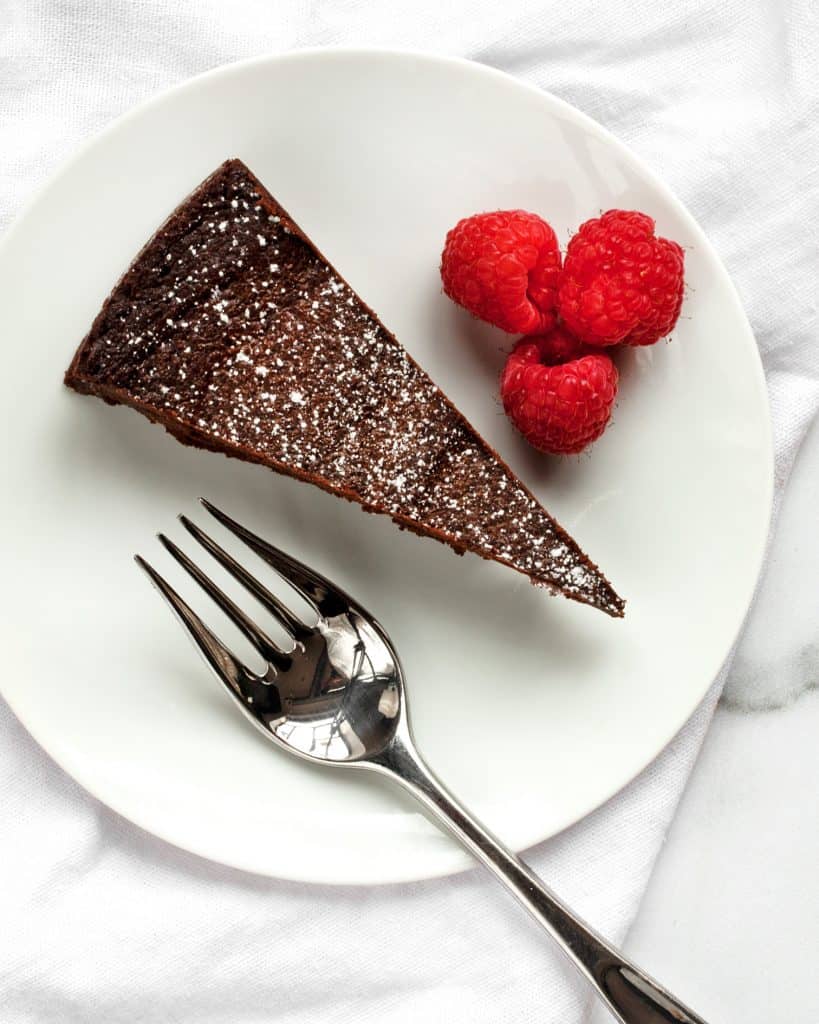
(535, 710)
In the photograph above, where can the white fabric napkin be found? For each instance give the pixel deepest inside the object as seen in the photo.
(103, 923)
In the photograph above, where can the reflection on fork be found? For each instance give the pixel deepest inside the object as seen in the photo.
(333, 694)
(336, 696)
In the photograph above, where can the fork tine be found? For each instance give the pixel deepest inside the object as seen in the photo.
(260, 640)
(234, 675)
(316, 589)
(298, 630)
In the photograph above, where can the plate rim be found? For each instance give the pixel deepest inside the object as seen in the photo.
(459, 860)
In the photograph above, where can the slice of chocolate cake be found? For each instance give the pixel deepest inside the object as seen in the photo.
(235, 333)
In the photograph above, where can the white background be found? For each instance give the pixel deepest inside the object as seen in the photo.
(721, 99)
(733, 901)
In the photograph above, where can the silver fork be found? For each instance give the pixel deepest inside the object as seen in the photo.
(337, 697)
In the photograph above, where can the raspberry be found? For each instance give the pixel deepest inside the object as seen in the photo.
(504, 267)
(558, 408)
(620, 282)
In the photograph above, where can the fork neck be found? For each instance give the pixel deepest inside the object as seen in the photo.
(404, 763)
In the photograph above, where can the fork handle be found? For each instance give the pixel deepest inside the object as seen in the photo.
(631, 995)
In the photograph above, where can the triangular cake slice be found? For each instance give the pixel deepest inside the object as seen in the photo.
(234, 332)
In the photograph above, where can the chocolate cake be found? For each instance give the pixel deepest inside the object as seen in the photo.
(234, 332)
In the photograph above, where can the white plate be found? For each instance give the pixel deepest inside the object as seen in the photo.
(376, 155)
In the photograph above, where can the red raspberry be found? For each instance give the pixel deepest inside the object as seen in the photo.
(620, 282)
(558, 408)
(504, 267)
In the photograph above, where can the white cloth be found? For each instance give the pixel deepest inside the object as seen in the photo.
(103, 923)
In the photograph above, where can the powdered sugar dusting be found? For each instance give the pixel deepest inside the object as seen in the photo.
(249, 338)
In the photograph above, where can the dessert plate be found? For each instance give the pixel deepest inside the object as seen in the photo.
(376, 154)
